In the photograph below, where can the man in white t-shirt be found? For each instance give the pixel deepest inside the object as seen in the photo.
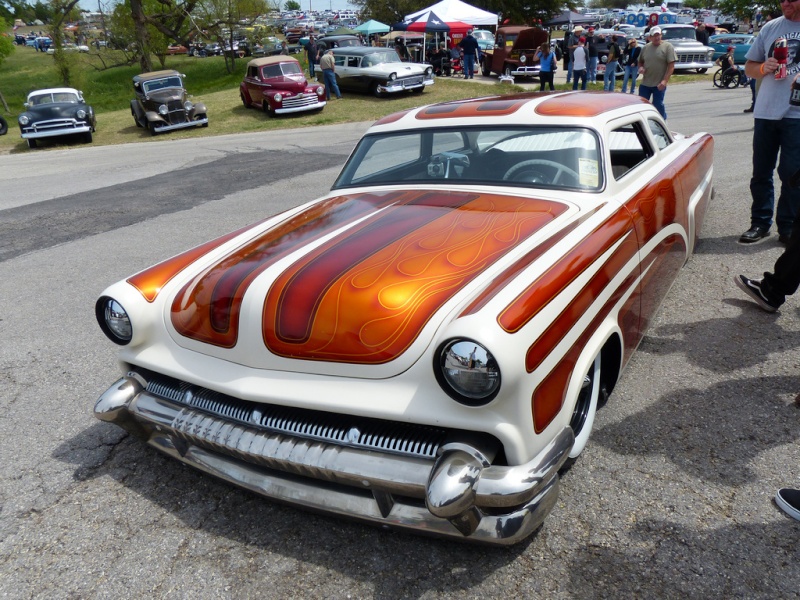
(579, 60)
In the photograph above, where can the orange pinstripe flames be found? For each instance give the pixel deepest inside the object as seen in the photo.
(150, 281)
(366, 297)
(575, 105)
(663, 202)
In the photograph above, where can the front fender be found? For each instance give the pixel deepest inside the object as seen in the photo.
(198, 109)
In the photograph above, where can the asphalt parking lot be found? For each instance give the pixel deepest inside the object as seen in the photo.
(671, 499)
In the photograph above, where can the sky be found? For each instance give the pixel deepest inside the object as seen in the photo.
(91, 5)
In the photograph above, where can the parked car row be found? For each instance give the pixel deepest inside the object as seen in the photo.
(276, 84)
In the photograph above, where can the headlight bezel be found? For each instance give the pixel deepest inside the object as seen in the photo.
(460, 361)
(112, 318)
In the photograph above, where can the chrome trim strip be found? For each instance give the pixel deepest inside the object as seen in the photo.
(55, 132)
(317, 106)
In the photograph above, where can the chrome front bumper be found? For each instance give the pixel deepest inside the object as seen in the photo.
(46, 133)
(459, 494)
(164, 126)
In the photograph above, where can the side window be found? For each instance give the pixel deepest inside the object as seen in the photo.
(387, 155)
(352, 61)
(659, 133)
(629, 148)
(447, 141)
(339, 60)
(252, 72)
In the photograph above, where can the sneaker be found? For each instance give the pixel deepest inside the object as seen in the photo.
(753, 235)
(752, 287)
(748, 109)
(788, 500)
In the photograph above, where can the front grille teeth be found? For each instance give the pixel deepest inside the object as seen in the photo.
(369, 434)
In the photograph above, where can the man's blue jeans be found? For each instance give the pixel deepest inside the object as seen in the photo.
(330, 83)
(469, 66)
(610, 77)
(591, 70)
(655, 96)
(631, 73)
(774, 142)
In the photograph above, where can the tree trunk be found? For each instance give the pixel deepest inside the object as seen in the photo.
(142, 37)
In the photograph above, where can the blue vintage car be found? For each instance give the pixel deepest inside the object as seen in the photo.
(741, 43)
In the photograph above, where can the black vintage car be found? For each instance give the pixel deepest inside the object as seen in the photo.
(162, 104)
(56, 112)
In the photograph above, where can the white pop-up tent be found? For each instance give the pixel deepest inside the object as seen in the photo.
(456, 10)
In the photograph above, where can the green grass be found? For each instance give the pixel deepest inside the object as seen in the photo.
(110, 91)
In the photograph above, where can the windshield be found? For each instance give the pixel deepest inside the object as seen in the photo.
(53, 97)
(537, 157)
(678, 33)
(483, 36)
(161, 84)
(378, 58)
(279, 69)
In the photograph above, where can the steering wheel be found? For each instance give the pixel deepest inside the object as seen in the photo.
(524, 171)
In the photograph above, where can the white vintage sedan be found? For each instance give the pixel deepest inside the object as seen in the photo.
(379, 71)
(425, 347)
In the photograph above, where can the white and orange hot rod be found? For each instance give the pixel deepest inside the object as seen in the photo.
(426, 346)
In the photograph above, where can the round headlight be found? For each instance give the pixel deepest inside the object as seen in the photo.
(23, 120)
(113, 320)
(523, 59)
(428, 72)
(163, 110)
(320, 91)
(277, 97)
(81, 114)
(393, 76)
(467, 372)
(187, 105)
(710, 54)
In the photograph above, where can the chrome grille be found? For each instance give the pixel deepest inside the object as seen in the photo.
(409, 81)
(692, 58)
(358, 432)
(177, 114)
(53, 125)
(300, 100)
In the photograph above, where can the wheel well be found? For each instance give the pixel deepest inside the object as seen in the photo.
(611, 361)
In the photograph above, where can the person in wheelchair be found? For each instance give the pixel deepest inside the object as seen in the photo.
(441, 61)
(728, 67)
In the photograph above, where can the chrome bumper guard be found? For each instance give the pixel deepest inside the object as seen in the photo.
(296, 109)
(184, 125)
(56, 132)
(458, 495)
(526, 71)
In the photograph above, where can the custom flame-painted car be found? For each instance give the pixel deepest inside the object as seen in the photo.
(162, 104)
(277, 85)
(56, 112)
(425, 346)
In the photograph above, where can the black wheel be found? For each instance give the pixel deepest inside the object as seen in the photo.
(701, 71)
(87, 137)
(32, 143)
(730, 81)
(485, 69)
(152, 127)
(418, 90)
(718, 78)
(244, 100)
(266, 109)
(507, 71)
(3, 126)
(375, 89)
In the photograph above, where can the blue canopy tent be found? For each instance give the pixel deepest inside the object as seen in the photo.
(372, 26)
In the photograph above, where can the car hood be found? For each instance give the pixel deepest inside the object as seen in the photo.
(55, 110)
(290, 83)
(359, 279)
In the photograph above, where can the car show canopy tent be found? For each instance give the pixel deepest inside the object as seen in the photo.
(456, 10)
(372, 26)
